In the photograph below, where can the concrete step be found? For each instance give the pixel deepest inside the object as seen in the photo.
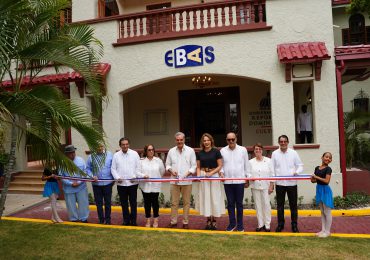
(35, 174)
(23, 177)
(26, 184)
(26, 190)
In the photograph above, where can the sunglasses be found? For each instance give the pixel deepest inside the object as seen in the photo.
(230, 139)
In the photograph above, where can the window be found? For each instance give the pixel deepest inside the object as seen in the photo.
(107, 8)
(361, 104)
(303, 112)
(66, 15)
(357, 33)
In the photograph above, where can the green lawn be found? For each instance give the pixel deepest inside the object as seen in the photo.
(21, 240)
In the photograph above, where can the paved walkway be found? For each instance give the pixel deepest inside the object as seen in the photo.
(342, 224)
(18, 202)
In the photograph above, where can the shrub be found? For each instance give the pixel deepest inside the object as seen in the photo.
(352, 200)
(91, 199)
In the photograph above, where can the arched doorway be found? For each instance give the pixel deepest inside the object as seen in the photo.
(154, 112)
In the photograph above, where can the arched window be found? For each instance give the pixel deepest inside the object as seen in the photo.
(357, 33)
(357, 29)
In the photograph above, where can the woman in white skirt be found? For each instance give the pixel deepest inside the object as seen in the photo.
(211, 203)
(261, 167)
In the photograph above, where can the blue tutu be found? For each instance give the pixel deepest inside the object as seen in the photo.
(324, 195)
(50, 188)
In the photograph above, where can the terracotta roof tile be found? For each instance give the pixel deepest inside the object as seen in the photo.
(302, 52)
(101, 69)
(352, 52)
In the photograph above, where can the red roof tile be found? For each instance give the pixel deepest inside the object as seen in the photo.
(101, 69)
(352, 52)
(340, 2)
(302, 52)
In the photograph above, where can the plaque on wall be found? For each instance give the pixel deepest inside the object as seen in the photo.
(155, 122)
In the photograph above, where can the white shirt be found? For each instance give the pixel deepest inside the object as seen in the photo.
(154, 168)
(260, 169)
(235, 164)
(286, 164)
(182, 163)
(126, 166)
(304, 122)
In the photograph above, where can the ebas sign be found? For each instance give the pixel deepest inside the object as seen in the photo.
(189, 56)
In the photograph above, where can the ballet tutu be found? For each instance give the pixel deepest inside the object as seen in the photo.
(50, 188)
(324, 195)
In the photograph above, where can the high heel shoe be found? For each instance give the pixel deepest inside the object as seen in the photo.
(155, 223)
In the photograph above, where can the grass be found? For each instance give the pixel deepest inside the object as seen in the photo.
(21, 240)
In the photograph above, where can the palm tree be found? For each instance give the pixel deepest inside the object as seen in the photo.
(32, 38)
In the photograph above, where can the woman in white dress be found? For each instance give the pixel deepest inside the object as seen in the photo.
(260, 167)
(211, 202)
(151, 167)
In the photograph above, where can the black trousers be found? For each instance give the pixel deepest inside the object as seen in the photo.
(303, 135)
(292, 192)
(128, 194)
(103, 194)
(151, 201)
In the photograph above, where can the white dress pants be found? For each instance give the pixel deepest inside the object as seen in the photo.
(263, 207)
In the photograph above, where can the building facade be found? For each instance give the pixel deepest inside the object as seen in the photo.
(246, 66)
(206, 66)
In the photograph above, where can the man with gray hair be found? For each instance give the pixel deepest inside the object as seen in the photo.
(180, 162)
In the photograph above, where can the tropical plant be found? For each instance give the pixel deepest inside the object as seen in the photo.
(32, 39)
(359, 6)
(353, 125)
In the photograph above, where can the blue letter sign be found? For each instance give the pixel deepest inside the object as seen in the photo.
(189, 56)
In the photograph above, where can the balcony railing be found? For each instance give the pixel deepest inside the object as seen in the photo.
(194, 20)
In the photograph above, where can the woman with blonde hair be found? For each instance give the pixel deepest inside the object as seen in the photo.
(211, 203)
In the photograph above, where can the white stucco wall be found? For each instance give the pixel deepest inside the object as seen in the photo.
(249, 54)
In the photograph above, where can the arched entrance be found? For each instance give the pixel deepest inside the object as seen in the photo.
(154, 112)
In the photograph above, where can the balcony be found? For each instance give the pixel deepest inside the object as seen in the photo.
(191, 21)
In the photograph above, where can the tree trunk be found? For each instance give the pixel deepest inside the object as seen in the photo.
(9, 167)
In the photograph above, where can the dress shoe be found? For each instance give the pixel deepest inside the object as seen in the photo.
(84, 221)
(230, 228)
(108, 222)
(185, 226)
(213, 226)
(267, 230)
(172, 225)
(279, 228)
(101, 221)
(259, 229)
(295, 229)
